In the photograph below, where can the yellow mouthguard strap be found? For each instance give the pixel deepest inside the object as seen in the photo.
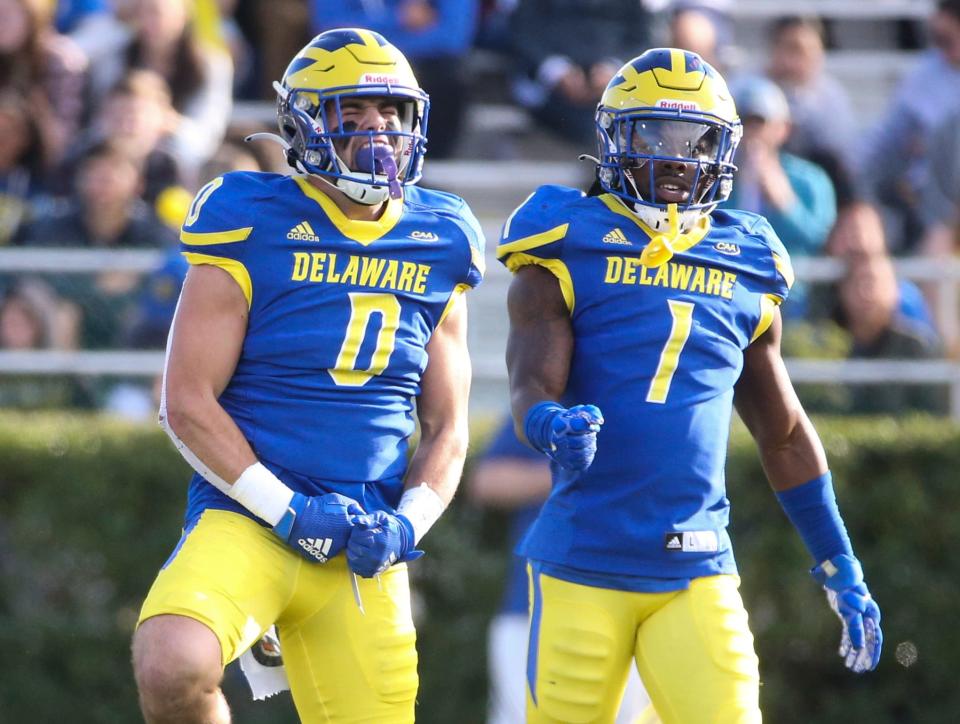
(662, 247)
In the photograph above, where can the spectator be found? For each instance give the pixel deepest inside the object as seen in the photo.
(694, 29)
(47, 68)
(795, 195)
(896, 160)
(20, 164)
(796, 65)
(859, 234)
(32, 318)
(138, 117)
(155, 303)
(434, 35)
(868, 310)
(105, 213)
(567, 52)
(941, 195)
(230, 157)
(513, 477)
(94, 27)
(199, 76)
(277, 30)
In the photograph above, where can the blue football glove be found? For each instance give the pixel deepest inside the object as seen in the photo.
(379, 540)
(567, 436)
(862, 639)
(318, 527)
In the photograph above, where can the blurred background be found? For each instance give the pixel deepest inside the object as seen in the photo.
(114, 112)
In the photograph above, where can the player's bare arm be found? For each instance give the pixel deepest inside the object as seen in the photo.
(540, 344)
(208, 333)
(796, 466)
(790, 448)
(442, 407)
(539, 350)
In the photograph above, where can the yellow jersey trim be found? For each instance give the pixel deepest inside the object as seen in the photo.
(532, 242)
(207, 238)
(784, 268)
(363, 232)
(231, 266)
(616, 205)
(768, 305)
(554, 266)
(457, 291)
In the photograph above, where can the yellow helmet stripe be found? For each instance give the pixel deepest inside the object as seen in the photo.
(368, 38)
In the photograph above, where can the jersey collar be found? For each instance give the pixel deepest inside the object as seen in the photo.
(363, 232)
(617, 206)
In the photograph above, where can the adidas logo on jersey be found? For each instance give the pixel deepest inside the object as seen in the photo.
(302, 232)
(616, 237)
(673, 542)
(319, 548)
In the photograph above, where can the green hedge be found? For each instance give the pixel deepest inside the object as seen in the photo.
(89, 509)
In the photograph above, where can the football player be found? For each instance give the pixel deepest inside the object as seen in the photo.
(318, 310)
(640, 314)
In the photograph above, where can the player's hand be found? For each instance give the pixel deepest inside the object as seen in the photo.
(318, 527)
(573, 437)
(862, 639)
(379, 540)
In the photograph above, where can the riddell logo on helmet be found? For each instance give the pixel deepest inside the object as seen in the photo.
(678, 105)
(380, 79)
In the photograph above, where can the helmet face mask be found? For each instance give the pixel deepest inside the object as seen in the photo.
(667, 131)
(324, 122)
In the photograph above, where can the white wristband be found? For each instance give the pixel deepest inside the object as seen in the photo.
(262, 493)
(422, 507)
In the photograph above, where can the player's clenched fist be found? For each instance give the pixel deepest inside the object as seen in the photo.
(379, 540)
(318, 527)
(566, 435)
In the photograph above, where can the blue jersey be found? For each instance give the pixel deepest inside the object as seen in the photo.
(659, 350)
(340, 314)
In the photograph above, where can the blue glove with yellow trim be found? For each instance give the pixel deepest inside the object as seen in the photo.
(567, 435)
(318, 526)
(862, 639)
(379, 540)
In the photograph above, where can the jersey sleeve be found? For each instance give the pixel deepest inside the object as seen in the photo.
(477, 243)
(216, 229)
(776, 270)
(534, 234)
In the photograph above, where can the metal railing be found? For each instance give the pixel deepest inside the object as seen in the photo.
(488, 323)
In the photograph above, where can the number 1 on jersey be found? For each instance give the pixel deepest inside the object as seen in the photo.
(682, 313)
(362, 306)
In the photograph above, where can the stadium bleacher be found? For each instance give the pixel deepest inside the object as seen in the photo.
(503, 157)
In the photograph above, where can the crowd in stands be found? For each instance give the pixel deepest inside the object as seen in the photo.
(114, 112)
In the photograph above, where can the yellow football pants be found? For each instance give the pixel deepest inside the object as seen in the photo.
(693, 648)
(238, 578)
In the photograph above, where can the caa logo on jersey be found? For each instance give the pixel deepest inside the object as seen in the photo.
(424, 236)
(674, 105)
(727, 248)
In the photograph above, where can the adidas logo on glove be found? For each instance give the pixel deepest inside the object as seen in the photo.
(319, 548)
